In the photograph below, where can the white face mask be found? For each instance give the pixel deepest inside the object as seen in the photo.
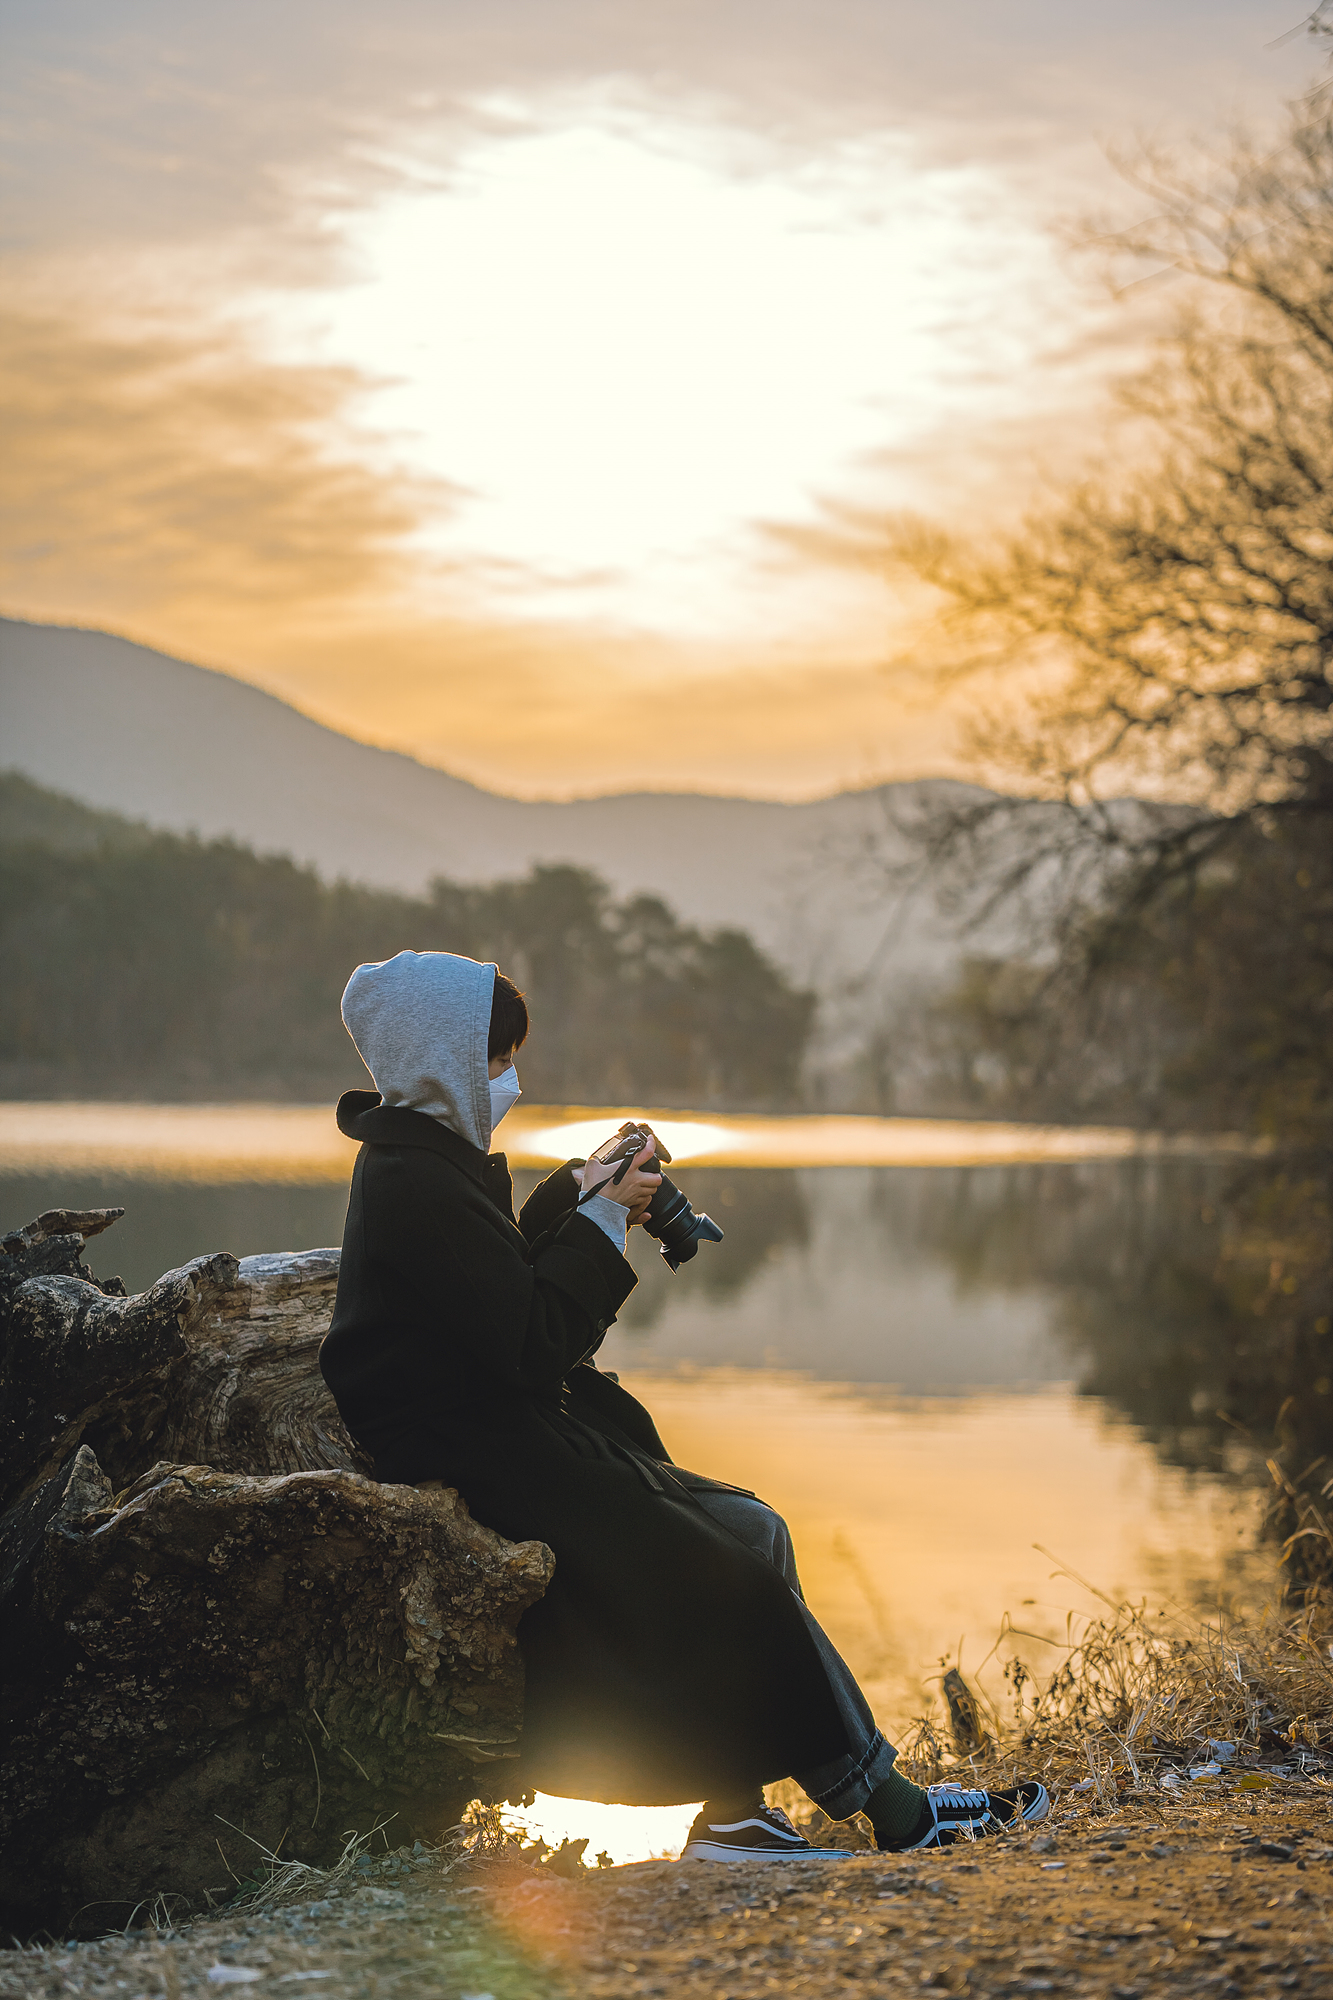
(505, 1093)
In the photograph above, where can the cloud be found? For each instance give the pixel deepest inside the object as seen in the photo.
(188, 494)
(160, 474)
(159, 119)
(167, 474)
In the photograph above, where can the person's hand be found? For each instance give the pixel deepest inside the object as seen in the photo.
(641, 1207)
(634, 1191)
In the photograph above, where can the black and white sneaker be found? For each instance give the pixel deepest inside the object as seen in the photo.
(954, 1813)
(764, 1834)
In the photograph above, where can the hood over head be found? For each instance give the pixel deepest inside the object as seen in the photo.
(421, 1023)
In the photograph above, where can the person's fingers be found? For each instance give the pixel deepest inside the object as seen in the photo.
(634, 1182)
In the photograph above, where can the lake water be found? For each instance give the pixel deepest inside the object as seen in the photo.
(969, 1364)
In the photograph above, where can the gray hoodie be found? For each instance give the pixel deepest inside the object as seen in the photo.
(421, 1023)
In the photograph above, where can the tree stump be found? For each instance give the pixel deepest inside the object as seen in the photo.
(218, 1635)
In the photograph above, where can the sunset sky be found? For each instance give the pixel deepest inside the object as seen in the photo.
(469, 374)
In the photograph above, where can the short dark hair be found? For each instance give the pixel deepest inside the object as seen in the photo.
(509, 1018)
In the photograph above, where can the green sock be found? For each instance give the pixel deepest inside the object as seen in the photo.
(894, 1807)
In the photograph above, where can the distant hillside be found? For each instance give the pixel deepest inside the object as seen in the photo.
(30, 813)
(151, 965)
(132, 731)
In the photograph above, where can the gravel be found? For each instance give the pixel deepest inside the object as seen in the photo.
(1218, 1907)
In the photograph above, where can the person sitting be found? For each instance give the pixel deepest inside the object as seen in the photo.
(673, 1656)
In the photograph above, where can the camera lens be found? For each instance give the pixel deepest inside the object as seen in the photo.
(678, 1229)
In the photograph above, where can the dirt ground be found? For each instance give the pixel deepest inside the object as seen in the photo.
(1217, 1894)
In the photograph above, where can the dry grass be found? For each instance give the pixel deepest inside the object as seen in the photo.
(276, 1882)
(1139, 1694)
(482, 1837)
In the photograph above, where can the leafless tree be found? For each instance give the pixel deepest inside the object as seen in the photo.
(1179, 607)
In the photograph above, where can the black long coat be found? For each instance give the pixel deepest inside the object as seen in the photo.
(666, 1662)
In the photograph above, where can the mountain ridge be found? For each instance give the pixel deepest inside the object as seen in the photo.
(12, 630)
(137, 731)
(127, 729)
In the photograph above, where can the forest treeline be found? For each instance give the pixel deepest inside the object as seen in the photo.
(139, 963)
(1209, 1005)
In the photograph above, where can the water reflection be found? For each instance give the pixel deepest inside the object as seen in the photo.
(300, 1143)
(1105, 1274)
(919, 1521)
(1112, 1275)
(843, 1272)
(167, 1222)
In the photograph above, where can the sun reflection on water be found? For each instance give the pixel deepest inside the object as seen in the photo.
(625, 1833)
(301, 1143)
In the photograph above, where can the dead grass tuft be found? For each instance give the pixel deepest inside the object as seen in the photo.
(1140, 1695)
(276, 1882)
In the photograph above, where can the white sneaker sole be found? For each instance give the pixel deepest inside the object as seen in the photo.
(716, 1850)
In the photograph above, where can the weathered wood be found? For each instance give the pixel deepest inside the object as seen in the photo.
(211, 1618)
(215, 1364)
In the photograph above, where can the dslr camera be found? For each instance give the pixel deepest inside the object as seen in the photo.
(679, 1231)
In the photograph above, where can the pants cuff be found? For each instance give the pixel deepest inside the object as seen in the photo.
(842, 1788)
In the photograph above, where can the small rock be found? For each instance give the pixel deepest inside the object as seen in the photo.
(232, 1975)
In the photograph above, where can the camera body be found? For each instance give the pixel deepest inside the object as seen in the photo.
(629, 1141)
(679, 1231)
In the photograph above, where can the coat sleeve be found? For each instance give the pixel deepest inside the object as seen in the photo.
(549, 1201)
(521, 1325)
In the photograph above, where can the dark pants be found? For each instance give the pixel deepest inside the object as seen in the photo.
(842, 1787)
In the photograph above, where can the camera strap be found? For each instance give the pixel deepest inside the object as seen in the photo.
(549, 1236)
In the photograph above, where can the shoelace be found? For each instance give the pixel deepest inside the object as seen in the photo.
(958, 1795)
(776, 1812)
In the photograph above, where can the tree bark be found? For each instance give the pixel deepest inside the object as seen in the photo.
(220, 1635)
